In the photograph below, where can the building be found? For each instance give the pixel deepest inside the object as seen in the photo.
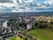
(29, 26)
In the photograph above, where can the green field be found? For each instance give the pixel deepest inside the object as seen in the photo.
(15, 38)
(42, 34)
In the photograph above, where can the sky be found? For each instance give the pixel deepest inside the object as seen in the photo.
(26, 5)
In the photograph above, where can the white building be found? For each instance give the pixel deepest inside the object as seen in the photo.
(29, 26)
(4, 24)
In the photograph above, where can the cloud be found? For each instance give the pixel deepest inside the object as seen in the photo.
(5, 1)
(49, 1)
(4, 8)
(26, 6)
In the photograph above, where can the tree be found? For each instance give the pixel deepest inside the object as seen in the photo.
(11, 21)
(42, 24)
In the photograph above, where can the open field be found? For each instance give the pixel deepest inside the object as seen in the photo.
(42, 34)
(16, 38)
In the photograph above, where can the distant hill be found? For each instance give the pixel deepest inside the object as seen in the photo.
(25, 13)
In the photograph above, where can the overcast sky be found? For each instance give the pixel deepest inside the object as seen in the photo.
(26, 5)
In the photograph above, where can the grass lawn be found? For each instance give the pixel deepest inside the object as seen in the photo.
(42, 34)
(16, 38)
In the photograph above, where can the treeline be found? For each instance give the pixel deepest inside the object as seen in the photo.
(43, 25)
